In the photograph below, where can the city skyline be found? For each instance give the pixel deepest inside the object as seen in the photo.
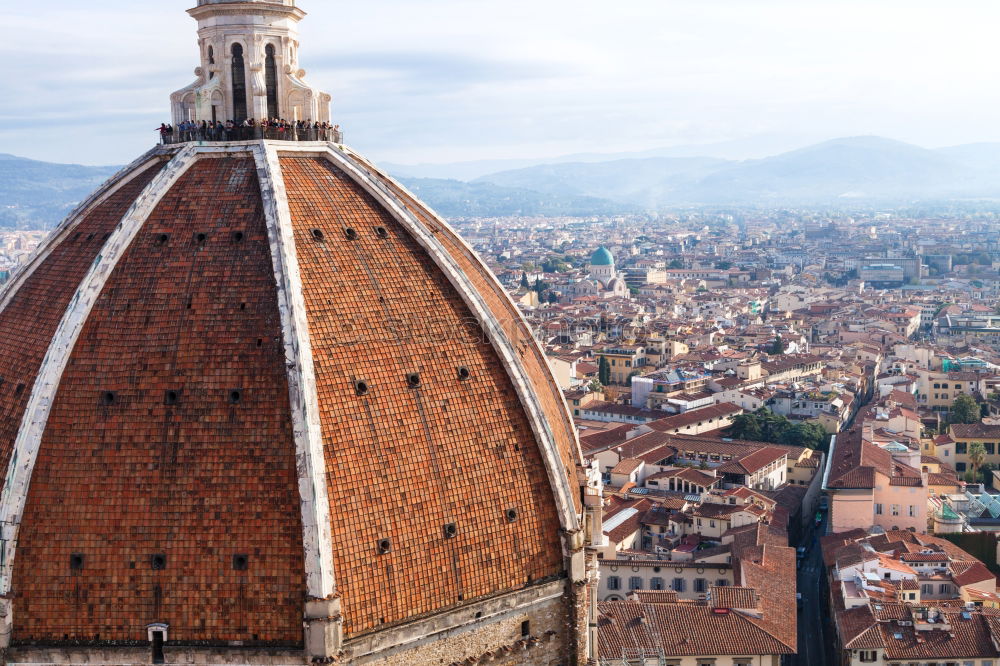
(445, 81)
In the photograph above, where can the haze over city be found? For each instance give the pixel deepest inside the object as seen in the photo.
(450, 80)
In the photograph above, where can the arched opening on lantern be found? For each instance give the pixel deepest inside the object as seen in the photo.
(271, 80)
(239, 85)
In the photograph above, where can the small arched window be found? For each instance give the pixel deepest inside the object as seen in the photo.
(211, 55)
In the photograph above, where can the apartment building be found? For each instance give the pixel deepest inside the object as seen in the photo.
(954, 449)
(750, 621)
(871, 485)
(901, 598)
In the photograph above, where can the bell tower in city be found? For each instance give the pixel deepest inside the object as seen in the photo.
(249, 65)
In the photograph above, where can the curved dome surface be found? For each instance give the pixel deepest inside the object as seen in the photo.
(245, 379)
(602, 257)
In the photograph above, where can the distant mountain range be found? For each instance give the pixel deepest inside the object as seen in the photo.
(847, 173)
(37, 195)
(841, 172)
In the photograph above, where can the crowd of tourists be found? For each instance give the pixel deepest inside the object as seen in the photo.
(249, 129)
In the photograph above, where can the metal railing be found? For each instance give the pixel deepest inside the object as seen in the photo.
(251, 134)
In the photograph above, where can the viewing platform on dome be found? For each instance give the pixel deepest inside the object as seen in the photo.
(170, 135)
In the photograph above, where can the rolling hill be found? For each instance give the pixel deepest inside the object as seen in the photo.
(841, 173)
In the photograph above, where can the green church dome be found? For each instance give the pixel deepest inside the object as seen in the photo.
(602, 257)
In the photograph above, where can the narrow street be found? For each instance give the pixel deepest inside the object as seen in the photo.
(812, 643)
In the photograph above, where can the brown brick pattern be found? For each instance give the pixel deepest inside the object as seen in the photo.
(193, 459)
(29, 321)
(534, 362)
(402, 463)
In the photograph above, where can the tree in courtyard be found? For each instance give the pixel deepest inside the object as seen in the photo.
(676, 264)
(977, 456)
(745, 426)
(604, 371)
(965, 410)
(778, 346)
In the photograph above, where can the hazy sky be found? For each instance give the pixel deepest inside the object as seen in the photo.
(446, 80)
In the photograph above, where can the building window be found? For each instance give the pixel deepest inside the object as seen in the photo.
(989, 448)
(678, 585)
(895, 509)
(700, 585)
(961, 448)
(656, 583)
(913, 511)
(944, 588)
(927, 589)
(960, 467)
(722, 582)
(868, 656)
(614, 583)
(878, 509)
(635, 583)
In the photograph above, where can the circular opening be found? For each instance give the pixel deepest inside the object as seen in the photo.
(200, 238)
(350, 234)
(162, 239)
(318, 234)
(413, 379)
(237, 236)
(76, 561)
(450, 530)
(464, 373)
(381, 232)
(511, 515)
(384, 545)
(235, 397)
(479, 614)
(158, 562)
(108, 398)
(240, 562)
(361, 387)
(171, 397)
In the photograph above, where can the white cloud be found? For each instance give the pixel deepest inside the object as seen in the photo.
(439, 80)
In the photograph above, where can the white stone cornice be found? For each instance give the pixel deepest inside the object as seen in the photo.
(240, 8)
(315, 504)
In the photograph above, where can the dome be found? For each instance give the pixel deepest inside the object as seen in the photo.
(257, 386)
(602, 257)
